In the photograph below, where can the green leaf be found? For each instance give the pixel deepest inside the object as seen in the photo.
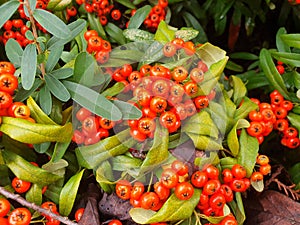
(68, 194)
(32, 6)
(281, 46)
(201, 124)
(126, 3)
(294, 119)
(239, 89)
(26, 171)
(288, 58)
(35, 133)
(14, 52)
(238, 208)
(191, 21)
(248, 151)
(58, 168)
(211, 54)
(42, 147)
(62, 73)
(23, 94)
(53, 57)
(45, 99)
(92, 156)
(7, 10)
(295, 175)
(84, 69)
(172, 210)
(57, 88)
(138, 35)
(232, 138)
(258, 185)
(268, 67)
(164, 33)
(244, 56)
(158, 152)
(115, 33)
(104, 177)
(138, 18)
(93, 101)
(96, 25)
(153, 54)
(58, 5)
(129, 111)
(60, 149)
(234, 66)
(52, 23)
(292, 40)
(34, 194)
(186, 34)
(202, 142)
(28, 66)
(243, 111)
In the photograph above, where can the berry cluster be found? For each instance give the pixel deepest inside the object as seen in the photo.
(102, 9)
(92, 129)
(177, 44)
(170, 96)
(157, 14)
(271, 116)
(217, 186)
(97, 46)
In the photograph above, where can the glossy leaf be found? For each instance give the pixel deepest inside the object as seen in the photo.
(153, 54)
(32, 6)
(281, 46)
(295, 175)
(114, 90)
(164, 33)
(28, 66)
(173, 210)
(14, 52)
(62, 73)
(239, 89)
(258, 185)
(92, 156)
(158, 152)
(59, 151)
(45, 99)
(129, 112)
(34, 194)
(24, 131)
(57, 5)
(57, 88)
(292, 40)
(234, 66)
(243, 111)
(84, 69)
(47, 21)
(294, 119)
(126, 3)
(57, 168)
(104, 176)
(228, 162)
(7, 10)
(115, 33)
(53, 58)
(202, 142)
(42, 147)
(201, 124)
(138, 18)
(96, 25)
(243, 55)
(68, 194)
(238, 208)
(191, 21)
(211, 54)
(291, 59)
(130, 55)
(268, 67)
(93, 101)
(26, 171)
(232, 138)
(138, 35)
(248, 151)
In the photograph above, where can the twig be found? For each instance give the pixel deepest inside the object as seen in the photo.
(33, 206)
(288, 189)
(35, 35)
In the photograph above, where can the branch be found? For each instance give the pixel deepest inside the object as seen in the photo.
(35, 35)
(33, 206)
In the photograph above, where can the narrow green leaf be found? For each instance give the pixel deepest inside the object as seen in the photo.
(248, 151)
(57, 5)
(158, 152)
(294, 119)
(42, 147)
(115, 33)
(62, 73)
(32, 6)
(105, 177)
(35, 133)
(57, 88)
(234, 66)
(52, 23)
(53, 58)
(129, 111)
(37, 113)
(138, 35)
(211, 54)
(96, 25)
(272, 74)
(126, 3)
(202, 142)
(164, 33)
(186, 34)
(292, 40)
(295, 175)
(34, 194)
(28, 66)
(68, 194)
(239, 89)
(26, 171)
(14, 52)
(291, 59)
(45, 99)
(243, 55)
(281, 46)
(243, 111)
(138, 18)
(172, 210)
(7, 10)
(93, 101)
